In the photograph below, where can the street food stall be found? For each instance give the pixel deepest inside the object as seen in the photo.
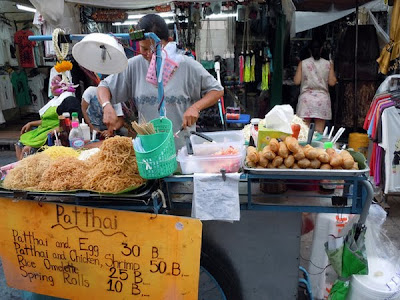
(219, 218)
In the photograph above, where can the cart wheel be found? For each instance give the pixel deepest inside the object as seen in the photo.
(218, 280)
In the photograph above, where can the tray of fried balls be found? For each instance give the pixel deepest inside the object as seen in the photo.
(289, 157)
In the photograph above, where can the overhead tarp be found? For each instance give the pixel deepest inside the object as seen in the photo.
(326, 5)
(128, 4)
(306, 20)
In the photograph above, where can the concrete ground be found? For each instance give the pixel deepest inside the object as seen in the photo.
(392, 224)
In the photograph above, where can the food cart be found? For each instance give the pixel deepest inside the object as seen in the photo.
(254, 258)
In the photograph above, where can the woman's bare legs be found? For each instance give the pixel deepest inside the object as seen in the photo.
(319, 125)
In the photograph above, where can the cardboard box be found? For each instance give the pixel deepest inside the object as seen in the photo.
(266, 134)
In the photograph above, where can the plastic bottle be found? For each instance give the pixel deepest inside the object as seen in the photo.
(75, 117)
(64, 133)
(85, 130)
(66, 115)
(76, 140)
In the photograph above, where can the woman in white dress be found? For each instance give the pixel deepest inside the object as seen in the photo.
(315, 74)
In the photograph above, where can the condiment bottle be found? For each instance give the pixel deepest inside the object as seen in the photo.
(85, 130)
(76, 140)
(64, 133)
(66, 115)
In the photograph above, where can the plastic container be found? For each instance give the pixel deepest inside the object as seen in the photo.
(210, 163)
(222, 141)
(373, 286)
(85, 130)
(76, 137)
(159, 160)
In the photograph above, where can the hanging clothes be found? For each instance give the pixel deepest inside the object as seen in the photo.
(7, 49)
(25, 48)
(19, 82)
(36, 86)
(247, 66)
(241, 68)
(265, 77)
(380, 121)
(6, 93)
(253, 68)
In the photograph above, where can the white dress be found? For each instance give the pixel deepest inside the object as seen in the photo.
(314, 100)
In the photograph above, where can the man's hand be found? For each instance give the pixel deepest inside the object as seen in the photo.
(107, 133)
(26, 127)
(110, 118)
(190, 116)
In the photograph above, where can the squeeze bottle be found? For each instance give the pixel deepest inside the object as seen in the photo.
(85, 130)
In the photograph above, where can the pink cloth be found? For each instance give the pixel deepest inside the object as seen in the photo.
(241, 68)
(314, 100)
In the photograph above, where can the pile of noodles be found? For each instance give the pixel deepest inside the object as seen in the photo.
(111, 170)
(114, 168)
(64, 174)
(28, 173)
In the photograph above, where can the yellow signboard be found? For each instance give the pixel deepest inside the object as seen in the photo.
(78, 252)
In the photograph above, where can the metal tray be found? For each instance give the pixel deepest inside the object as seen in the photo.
(307, 172)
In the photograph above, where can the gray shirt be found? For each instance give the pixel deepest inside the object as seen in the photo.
(188, 84)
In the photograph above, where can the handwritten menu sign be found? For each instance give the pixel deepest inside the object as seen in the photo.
(79, 252)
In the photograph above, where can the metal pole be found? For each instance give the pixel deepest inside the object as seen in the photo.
(355, 111)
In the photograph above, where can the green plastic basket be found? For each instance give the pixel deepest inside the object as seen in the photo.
(160, 160)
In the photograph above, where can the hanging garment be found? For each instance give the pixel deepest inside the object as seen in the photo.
(19, 81)
(36, 86)
(247, 66)
(25, 48)
(241, 68)
(253, 68)
(265, 77)
(391, 145)
(6, 93)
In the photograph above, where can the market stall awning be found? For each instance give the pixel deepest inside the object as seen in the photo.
(306, 20)
(326, 5)
(128, 4)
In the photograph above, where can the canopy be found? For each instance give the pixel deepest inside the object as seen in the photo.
(326, 5)
(306, 20)
(128, 4)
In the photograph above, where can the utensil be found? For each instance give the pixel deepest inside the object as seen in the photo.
(207, 138)
(310, 133)
(178, 132)
(338, 135)
(330, 133)
(189, 146)
(325, 131)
